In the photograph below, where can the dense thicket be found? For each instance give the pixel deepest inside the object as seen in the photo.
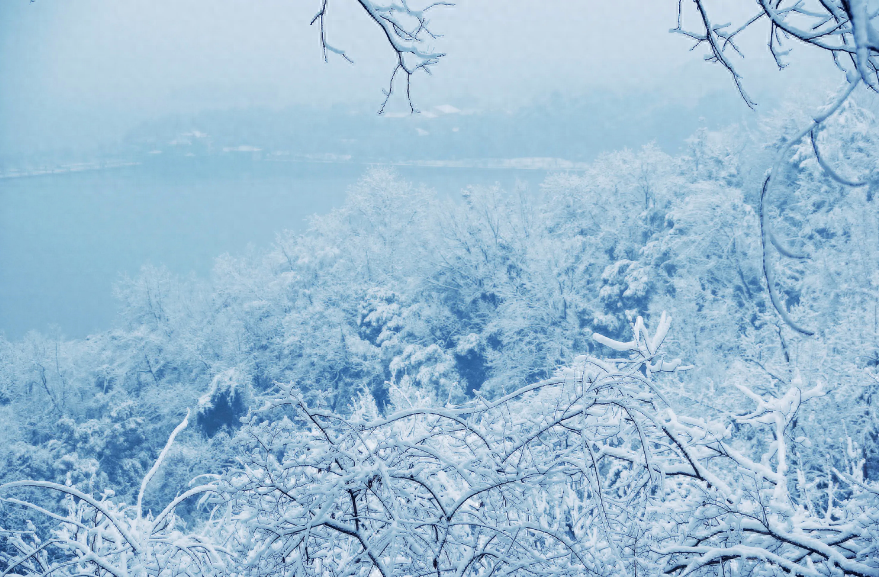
(590, 471)
(402, 290)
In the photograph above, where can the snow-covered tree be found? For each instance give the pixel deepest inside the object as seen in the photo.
(103, 536)
(593, 470)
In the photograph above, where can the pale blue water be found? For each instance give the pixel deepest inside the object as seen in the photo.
(66, 238)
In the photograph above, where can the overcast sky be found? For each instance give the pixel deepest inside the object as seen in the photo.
(76, 69)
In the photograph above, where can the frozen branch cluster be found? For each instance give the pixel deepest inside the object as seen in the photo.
(103, 537)
(845, 29)
(590, 472)
(407, 31)
(550, 479)
(759, 512)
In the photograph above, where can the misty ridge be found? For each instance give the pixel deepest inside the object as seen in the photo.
(604, 333)
(562, 128)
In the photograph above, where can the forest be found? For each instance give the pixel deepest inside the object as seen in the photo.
(588, 378)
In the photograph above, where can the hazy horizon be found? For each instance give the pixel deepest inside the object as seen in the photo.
(85, 74)
(98, 83)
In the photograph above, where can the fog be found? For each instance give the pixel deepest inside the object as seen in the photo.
(84, 72)
(95, 84)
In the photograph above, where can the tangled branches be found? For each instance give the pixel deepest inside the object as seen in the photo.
(842, 28)
(101, 537)
(553, 479)
(589, 472)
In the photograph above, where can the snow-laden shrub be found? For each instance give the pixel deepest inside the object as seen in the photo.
(103, 536)
(588, 472)
(591, 471)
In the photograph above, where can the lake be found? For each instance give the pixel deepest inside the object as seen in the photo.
(66, 238)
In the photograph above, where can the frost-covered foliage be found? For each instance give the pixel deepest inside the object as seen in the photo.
(591, 471)
(399, 294)
(103, 536)
(535, 479)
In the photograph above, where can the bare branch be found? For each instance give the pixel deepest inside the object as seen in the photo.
(406, 30)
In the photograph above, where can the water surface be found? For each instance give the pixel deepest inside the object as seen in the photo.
(66, 238)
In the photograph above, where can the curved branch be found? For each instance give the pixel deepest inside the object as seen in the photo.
(766, 235)
(768, 273)
(832, 173)
(403, 39)
(82, 496)
(158, 462)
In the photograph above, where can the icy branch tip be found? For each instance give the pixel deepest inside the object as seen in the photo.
(642, 342)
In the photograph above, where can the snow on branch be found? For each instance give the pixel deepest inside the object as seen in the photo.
(406, 30)
(768, 238)
(103, 537)
(590, 472)
(551, 479)
(844, 29)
